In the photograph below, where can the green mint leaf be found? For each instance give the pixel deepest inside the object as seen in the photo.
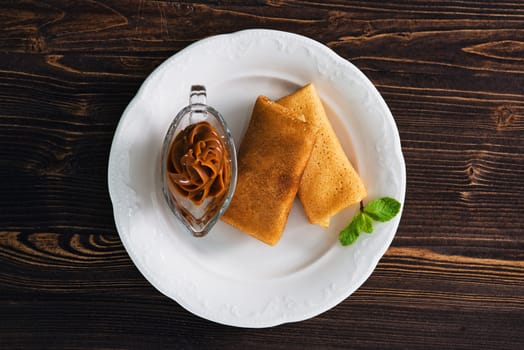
(350, 234)
(361, 222)
(383, 209)
(365, 222)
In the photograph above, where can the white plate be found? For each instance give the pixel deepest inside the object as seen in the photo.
(229, 277)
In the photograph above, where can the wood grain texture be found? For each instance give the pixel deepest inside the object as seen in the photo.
(452, 74)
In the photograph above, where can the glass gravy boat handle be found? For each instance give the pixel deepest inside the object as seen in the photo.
(197, 95)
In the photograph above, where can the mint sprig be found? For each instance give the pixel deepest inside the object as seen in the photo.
(382, 209)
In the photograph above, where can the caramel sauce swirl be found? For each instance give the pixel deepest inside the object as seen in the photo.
(197, 163)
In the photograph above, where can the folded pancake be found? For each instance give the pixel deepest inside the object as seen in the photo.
(329, 183)
(271, 159)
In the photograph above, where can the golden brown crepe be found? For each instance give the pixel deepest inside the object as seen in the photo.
(329, 183)
(271, 160)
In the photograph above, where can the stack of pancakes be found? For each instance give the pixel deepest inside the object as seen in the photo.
(290, 147)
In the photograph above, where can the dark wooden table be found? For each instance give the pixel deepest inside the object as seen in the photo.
(452, 74)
